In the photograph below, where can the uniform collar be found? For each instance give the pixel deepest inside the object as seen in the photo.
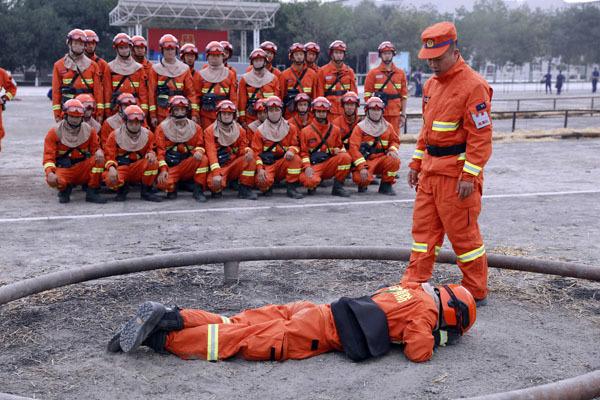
(381, 67)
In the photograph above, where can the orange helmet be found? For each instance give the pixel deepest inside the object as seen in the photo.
(312, 46)
(350, 97)
(179, 101)
(375, 102)
(87, 101)
(259, 105)
(337, 45)
(126, 99)
(257, 53)
(458, 308)
(386, 46)
(91, 36)
(302, 97)
(273, 101)
(73, 107)
(227, 46)
(269, 46)
(321, 103)
(226, 106)
(76, 34)
(168, 41)
(189, 48)
(214, 47)
(139, 41)
(132, 113)
(294, 48)
(121, 39)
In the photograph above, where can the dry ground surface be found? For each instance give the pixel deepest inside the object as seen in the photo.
(542, 200)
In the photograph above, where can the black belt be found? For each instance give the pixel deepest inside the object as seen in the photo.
(335, 92)
(437, 151)
(393, 96)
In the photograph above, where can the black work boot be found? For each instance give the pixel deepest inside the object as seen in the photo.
(186, 186)
(156, 341)
(246, 192)
(93, 196)
(234, 185)
(122, 193)
(386, 188)
(172, 195)
(362, 189)
(338, 189)
(216, 195)
(146, 194)
(114, 344)
(141, 325)
(311, 192)
(64, 196)
(199, 194)
(171, 320)
(292, 191)
(374, 182)
(269, 192)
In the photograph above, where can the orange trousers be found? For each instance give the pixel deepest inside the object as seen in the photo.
(439, 211)
(394, 120)
(237, 169)
(141, 171)
(281, 169)
(386, 166)
(190, 168)
(88, 172)
(274, 332)
(337, 167)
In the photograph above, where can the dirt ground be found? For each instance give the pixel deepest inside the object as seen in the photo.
(541, 200)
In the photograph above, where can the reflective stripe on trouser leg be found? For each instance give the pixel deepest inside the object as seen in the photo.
(212, 348)
(293, 168)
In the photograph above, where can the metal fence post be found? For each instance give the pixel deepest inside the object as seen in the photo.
(566, 117)
(514, 121)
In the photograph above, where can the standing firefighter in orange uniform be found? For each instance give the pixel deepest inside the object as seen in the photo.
(10, 91)
(91, 43)
(270, 50)
(323, 154)
(301, 117)
(276, 148)
(72, 156)
(297, 79)
(374, 149)
(388, 82)
(116, 120)
(89, 107)
(228, 49)
(130, 157)
(261, 115)
(421, 317)
(453, 147)
(215, 83)
(139, 50)
(336, 78)
(312, 55)
(229, 154)
(347, 121)
(256, 84)
(181, 152)
(75, 74)
(126, 76)
(170, 77)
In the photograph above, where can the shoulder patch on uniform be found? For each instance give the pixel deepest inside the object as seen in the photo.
(480, 106)
(481, 119)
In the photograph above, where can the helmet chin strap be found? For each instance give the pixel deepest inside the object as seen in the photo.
(179, 117)
(74, 126)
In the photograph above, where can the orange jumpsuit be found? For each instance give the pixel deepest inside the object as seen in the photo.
(134, 84)
(147, 67)
(302, 329)
(187, 169)
(282, 168)
(379, 163)
(85, 170)
(333, 84)
(461, 119)
(180, 85)
(224, 90)
(293, 82)
(10, 89)
(236, 168)
(104, 103)
(270, 68)
(337, 165)
(246, 92)
(396, 87)
(140, 170)
(89, 81)
(347, 127)
(298, 123)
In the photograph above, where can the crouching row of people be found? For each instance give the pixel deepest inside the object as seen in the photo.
(180, 151)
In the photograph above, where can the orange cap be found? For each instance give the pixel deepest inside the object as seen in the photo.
(436, 40)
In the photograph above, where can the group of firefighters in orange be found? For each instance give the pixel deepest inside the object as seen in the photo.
(133, 122)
